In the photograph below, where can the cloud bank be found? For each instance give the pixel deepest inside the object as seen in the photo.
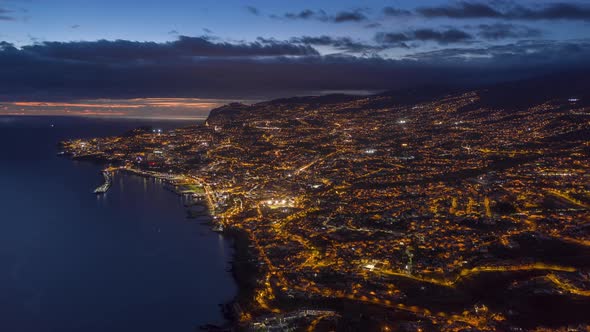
(200, 68)
(508, 11)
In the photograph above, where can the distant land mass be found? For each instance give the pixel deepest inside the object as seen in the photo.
(422, 209)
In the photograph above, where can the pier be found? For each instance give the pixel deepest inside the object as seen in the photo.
(108, 180)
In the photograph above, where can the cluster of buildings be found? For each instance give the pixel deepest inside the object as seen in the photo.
(393, 206)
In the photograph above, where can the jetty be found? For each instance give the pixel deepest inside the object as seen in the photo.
(108, 181)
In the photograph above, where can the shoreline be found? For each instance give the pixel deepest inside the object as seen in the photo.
(245, 272)
(242, 263)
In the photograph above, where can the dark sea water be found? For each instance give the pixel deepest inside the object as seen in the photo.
(74, 261)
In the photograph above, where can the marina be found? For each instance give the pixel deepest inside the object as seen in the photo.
(108, 181)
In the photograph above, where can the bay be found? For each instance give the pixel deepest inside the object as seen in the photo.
(71, 260)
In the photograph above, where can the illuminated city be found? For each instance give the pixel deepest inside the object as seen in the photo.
(403, 209)
(295, 166)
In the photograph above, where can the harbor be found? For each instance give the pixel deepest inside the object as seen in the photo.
(199, 196)
(108, 181)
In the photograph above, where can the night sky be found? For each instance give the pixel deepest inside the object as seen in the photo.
(137, 58)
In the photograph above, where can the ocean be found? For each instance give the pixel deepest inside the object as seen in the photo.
(70, 260)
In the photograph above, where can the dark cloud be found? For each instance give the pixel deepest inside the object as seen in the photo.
(499, 31)
(448, 36)
(500, 9)
(442, 37)
(555, 11)
(5, 15)
(340, 43)
(391, 11)
(521, 55)
(356, 15)
(183, 47)
(75, 26)
(253, 10)
(349, 16)
(305, 15)
(6, 46)
(373, 25)
(509, 10)
(264, 69)
(461, 10)
(392, 37)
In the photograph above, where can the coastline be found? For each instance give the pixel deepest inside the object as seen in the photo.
(242, 264)
(245, 273)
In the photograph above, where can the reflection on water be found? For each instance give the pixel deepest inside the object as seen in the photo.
(74, 261)
(221, 243)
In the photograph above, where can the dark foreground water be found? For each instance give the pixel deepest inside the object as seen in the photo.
(74, 261)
